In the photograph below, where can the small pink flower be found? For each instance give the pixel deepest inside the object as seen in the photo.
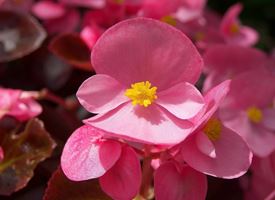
(18, 104)
(143, 88)
(175, 182)
(248, 109)
(213, 149)
(56, 17)
(226, 61)
(234, 32)
(87, 155)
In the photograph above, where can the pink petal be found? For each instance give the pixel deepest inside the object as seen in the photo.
(130, 53)
(149, 125)
(85, 156)
(182, 100)
(253, 88)
(205, 145)
(63, 24)
(260, 140)
(123, 180)
(174, 184)
(46, 10)
(213, 99)
(85, 3)
(25, 109)
(230, 17)
(1, 154)
(232, 159)
(101, 93)
(233, 59)
(268, 119)
(90, 34)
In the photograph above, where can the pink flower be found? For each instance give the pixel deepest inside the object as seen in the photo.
(248, 109)
(56, 17)
(226, 61)
(234, 32)
(143, 88)
(87, 155)
(174, 181)
(18, 104)
(214, 149)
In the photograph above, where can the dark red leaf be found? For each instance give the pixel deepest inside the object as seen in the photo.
(60, 187)
(22, 153)
(71, 48)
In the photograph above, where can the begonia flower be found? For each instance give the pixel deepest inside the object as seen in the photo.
(248, 109)
(234, 32)
(144, 91)
(18, 104)
(175, 182)
(226, 61)
(214, 149)
(87, 155)
(56, 17)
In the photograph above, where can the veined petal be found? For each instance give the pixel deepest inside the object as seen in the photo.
(85, 156)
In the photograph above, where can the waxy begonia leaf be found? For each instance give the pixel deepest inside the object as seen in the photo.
(20, 34)
(60, 187)
(72, 49)
(23, 151)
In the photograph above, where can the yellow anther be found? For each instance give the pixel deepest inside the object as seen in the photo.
(213, 129)
(254, 114)
(142, 93)
(234, 28)
(169, 20)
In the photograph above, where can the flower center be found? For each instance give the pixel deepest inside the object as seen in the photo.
(254, 114)
(213, 129)
(169, 20)
(234, 28)
(142, 93)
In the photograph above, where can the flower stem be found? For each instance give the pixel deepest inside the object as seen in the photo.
(147, 177)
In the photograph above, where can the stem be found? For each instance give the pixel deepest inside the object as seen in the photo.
(147, 177)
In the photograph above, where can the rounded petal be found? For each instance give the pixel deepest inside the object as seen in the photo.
(260, 140)
(229, 60)
(252, 88)
(173, 184)
(232, 155)
(85, 156)
(123, 180)
(143, 49)
(182, 100)
(101, 93)
(246, 38)
(148, 125)
(46, 10)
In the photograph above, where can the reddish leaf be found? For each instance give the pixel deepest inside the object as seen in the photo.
(59, 187)
(23, 152)
(71, 48)
(20, 34)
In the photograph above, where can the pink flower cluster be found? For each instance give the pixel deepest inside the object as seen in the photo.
(149, 110)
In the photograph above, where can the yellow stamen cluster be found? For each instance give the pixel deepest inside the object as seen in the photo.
(254, 114)
(142, 94)
(235, 28)
(213, 129)
(169, 20)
